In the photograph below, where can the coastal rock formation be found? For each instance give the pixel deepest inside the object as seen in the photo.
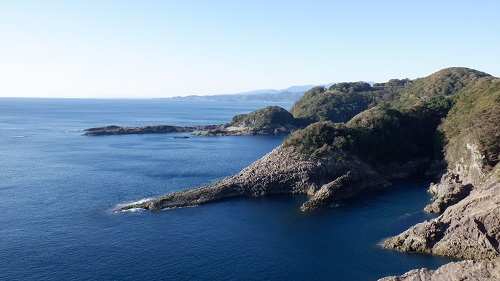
(448, 191)
(462, 270)
(333, 177)
(270, 120)
(469, 229)
(274, 129)
(156, 129)
(206, 130)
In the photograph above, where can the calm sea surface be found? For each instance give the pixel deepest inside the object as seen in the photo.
(58, 190)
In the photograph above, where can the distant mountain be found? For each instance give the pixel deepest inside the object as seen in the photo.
(290, 94)
(295, 89)
(255, 92)
(271, 96)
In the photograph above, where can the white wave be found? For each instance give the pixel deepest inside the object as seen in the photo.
(19, 137)
(132, 210)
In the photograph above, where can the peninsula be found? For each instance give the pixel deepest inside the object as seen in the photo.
(445, 126)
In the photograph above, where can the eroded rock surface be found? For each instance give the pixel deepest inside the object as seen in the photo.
(274, 129)
(449, 191)
(463, 270)
(469, 229)
(333, 177)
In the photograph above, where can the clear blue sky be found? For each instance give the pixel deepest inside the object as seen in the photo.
(146, 48)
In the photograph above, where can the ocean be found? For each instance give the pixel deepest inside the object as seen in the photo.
(59, 189)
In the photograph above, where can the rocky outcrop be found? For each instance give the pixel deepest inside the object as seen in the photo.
(463, 270)
(469, 229)
(156, 129)
(333, 177)
(206, 130)
(449, 191)
(331, 192)
(274, 129)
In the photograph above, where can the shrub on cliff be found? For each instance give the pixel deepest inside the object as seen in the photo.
(380, 135)
(475, 119)
(337, 104)
(271, 115)
(343, 101)
(319, 138)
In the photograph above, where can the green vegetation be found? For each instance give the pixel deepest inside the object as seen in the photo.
(380, 135)
(398, 120)
(475, 118)
(435, 116)
(343, 101)
(264, 117)
(338, 104)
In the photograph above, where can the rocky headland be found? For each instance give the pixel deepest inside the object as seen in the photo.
(360, 137)
(467, 194)
(282, 171)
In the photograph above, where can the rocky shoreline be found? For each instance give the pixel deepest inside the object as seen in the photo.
(204, 130)
(154, 129)
(326, 179)
(470, 229)
(452, 133)
(462, 270)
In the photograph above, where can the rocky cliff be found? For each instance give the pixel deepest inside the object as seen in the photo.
(469, 229)
(468, 194)
(387, 131)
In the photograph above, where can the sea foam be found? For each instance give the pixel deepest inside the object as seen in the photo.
(131, 210)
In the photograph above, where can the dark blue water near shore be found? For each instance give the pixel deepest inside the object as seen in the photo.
(58, 190)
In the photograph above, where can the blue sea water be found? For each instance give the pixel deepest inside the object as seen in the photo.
(58, 190)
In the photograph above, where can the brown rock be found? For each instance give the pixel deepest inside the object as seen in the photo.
(448, 191)
(463, 270)
(469, 229)
(281, 171)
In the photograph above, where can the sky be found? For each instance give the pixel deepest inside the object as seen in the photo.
(154, 48)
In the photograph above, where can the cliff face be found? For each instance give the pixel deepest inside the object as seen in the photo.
(388, 131)
(469, 229)
(331, 161)
(468, 194)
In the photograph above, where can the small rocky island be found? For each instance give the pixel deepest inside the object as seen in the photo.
(155, 129)
(445, 126)
(271, 120)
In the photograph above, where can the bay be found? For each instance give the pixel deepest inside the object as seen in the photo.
(58, 190)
